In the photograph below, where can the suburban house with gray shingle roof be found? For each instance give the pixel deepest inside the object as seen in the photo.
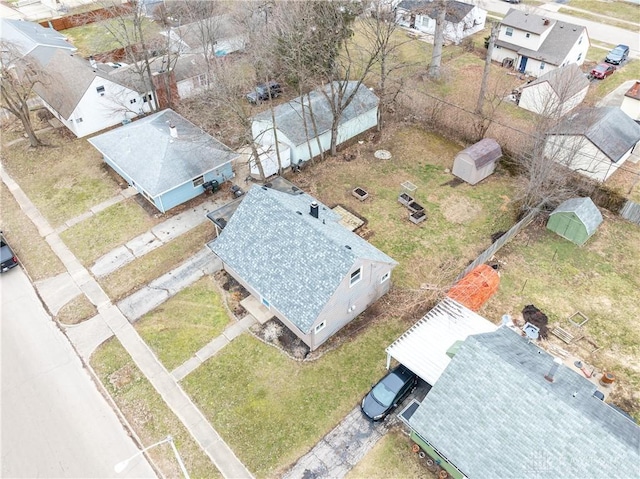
(165, 157)
(214, 36)
(84, 98)
(291, 253)
(304, 124)
(461, 19)
(594, 142)
(29, 37)
(555, 93)
(493, 414)
(536, 44)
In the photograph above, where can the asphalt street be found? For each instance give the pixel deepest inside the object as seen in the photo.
(55, 422)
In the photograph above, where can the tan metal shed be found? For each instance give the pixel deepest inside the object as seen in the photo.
(475, 163)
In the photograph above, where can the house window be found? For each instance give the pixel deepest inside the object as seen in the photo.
(198, 181)
(202, 80)
(78, 120)
(541, 65)
(320, 327)
(355, 277)
(528, 35)
(385, 277)
(147, 196)
(132, 101)
(147, 98)
(509, 32)
(580, 41)
(579, 57)
(266, 303)
(100, 90)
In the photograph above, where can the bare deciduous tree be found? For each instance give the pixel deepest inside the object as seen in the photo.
(378, 29)
(18, 77)
(438, 40)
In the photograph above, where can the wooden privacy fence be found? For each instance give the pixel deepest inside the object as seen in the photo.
(500, 242)
(79, 19)
(631, 212)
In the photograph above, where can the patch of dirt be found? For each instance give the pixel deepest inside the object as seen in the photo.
(234, 293)
(277, 334)
(459, 210)
(122, 377)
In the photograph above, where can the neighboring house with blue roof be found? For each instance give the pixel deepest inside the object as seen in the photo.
(304, 123)
(536, 44)
(292, 255)
(494, 414)
(593, 141)
(576, 219)
(461, 19)
(165, 157)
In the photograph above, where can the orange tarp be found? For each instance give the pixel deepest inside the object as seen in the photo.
(476, 288)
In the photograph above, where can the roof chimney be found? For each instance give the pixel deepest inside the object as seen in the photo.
(173, 131)
(554, 367)
(546, 21)
(313, 211)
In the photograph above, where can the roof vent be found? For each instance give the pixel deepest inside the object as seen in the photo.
(264, 188)
(545, 21)
(173, 130)
(299, 213)
(313, 210)
(347, 246)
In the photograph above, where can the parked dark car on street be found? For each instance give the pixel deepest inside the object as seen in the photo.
(618, 55)
(388, 393)
(9, 259)
(602, 71)
(264, 92)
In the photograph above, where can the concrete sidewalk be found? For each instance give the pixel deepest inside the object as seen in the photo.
(110, 318)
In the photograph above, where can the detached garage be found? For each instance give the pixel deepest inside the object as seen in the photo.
(475, 163)
(576, 219)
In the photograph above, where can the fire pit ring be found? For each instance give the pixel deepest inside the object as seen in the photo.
(382, 154)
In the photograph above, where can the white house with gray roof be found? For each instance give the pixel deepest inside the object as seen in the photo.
(594, 142)
(555, 93)
(291, 253)
(84, 98)
(461, 19)
(537, 44)
(165, 157)
(494, 414)
(30, 36)
(304, 123)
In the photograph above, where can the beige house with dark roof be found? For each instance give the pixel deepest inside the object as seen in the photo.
(631, 102)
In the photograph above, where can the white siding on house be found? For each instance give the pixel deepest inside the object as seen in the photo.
(582, 156)
(578, 52)
(500, 53)
(519, 37)
(542, 99)
(631, 107)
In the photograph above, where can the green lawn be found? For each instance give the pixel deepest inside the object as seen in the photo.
(131, 277)
(111, 227)
(182, 325)
(64, 179)
(271, 409)
(148, 414)
(616, 9)
(392, 457)
(98, 37)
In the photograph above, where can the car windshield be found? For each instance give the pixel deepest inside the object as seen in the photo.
(385, 391)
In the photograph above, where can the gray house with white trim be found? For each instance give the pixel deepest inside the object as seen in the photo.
(494, 414)
(291, 253)
(304, 123)
(165, 157)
